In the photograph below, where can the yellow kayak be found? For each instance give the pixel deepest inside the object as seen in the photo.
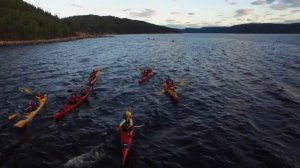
(171, 93)
(28, 117)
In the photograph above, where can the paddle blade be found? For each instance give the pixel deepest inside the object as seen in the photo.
(162, 92)
(99, 68)
(12, 117)
(27, 90)
(181, 83)
(138, 68)
(21, 124)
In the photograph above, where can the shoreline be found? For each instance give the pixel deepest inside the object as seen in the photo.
(45, 41)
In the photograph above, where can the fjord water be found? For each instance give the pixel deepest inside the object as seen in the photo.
(240, 106)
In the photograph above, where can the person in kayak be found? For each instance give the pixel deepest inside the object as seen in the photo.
(93, 75)
(83, 91)
(127, 122)
(31, 106)
(73, 99)
(170, 84)
(146, 71)
(39, 95)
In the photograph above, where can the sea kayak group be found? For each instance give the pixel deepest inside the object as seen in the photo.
(125, 128)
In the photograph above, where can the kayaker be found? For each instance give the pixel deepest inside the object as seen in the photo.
(170, 84)
(73, 99)
(146, 71)
(93, 75)
(83, 91)
(39, 95)
(31, 106)
(127, 122)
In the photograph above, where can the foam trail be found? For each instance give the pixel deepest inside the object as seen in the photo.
(85, 160)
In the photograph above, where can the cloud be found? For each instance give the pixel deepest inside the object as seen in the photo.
(279, 6)
(285, 4)
(175, 13)
(258, 2)
(276, 18)
(182, 26)
(191, 13)
(231, 3)
(243, 12)
(146, 13)
(126, 10)
(170, 20)
(292, 21)
(262, 2)
(76, 5)
(295, 11)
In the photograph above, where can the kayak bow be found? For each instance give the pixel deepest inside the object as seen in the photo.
(126, 140)
(92, 81)
(146, 77)
(28, 117)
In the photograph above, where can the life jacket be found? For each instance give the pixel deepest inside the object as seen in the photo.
(83, 91)
(72, 100)
(126, 125)
(39, 96)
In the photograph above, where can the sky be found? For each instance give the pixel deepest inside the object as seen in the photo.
(180, 13)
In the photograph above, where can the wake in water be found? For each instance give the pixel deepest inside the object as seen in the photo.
(87, 159)
(291, 93)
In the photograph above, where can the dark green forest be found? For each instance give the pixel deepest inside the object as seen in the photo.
(22, 21)
(93, 24)
(251, 28)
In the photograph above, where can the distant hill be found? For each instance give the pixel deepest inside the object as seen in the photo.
(93, 24)
(22, 21)
(253, 28)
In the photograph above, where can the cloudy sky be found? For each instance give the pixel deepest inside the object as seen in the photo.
(181, 13)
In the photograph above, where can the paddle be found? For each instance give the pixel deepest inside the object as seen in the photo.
(181, 83)
(27, 90)
(20, 124)
(99, 69)
(14, 116)
(138, 68)
(139, 126)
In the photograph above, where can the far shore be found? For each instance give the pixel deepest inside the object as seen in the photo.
(43, 41)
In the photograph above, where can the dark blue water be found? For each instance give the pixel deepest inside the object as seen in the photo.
(240, 106)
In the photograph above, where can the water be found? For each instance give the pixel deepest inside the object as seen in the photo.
(239, 107)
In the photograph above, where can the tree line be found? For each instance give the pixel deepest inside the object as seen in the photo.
(20, 20)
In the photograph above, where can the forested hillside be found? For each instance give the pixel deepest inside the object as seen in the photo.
(108, 24)
(22, 21)
(252, 28)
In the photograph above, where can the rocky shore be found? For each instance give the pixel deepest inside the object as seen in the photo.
(43, 41)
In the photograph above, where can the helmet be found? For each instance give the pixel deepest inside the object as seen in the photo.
(127, 114)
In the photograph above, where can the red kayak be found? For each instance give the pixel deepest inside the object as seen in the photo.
(146, 75)
(69, 107)
(126, 139)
